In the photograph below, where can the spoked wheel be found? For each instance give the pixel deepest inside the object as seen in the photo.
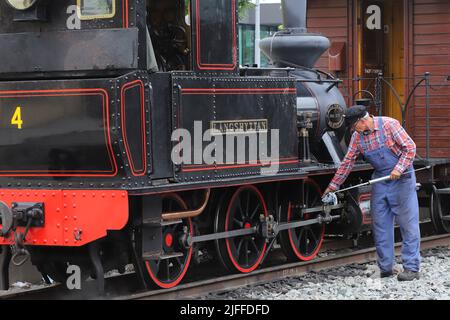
(168, 273)
(241, 211)
(439, 207)
(302, 243)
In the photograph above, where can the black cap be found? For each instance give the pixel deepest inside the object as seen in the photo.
(363, 102)
(353, 114)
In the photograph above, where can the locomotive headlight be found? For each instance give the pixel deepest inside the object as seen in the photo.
(21, 4)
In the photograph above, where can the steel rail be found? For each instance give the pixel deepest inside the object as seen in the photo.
(13, 293)
(45, 291)
(231, 282)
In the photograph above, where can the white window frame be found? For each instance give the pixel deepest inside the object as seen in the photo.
(99, 16)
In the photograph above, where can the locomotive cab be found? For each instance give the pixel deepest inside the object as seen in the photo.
(67, 39)
(51, 39)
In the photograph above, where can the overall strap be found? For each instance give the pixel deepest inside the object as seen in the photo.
(363, 144)
(382, 137)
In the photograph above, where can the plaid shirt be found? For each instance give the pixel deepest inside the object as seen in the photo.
(397, 140)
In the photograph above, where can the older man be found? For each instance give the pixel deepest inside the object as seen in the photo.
(389, 149)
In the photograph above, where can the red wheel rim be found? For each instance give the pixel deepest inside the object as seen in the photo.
(253, 246)
(174, 268)
(306, 241)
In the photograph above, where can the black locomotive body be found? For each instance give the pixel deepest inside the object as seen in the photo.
(122, 125)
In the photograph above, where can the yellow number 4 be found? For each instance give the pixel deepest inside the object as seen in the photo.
(17, 118)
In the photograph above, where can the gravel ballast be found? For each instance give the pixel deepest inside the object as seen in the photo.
(357, 282)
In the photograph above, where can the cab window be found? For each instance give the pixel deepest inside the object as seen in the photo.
(170, 33)
(96, 9)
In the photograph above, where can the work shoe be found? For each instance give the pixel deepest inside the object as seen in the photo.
(386, 274)
(408, 276)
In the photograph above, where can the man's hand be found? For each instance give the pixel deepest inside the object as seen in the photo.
(395, 175)
(329, 197)
(328, 190)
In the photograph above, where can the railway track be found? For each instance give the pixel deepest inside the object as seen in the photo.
(57, 291)
(275, 271)
(235, 281)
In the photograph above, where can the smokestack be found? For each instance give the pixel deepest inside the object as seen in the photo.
(294, 47)
(294, 14)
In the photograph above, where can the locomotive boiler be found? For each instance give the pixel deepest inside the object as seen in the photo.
(129, 136)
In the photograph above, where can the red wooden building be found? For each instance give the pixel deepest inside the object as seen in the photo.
(401, 38)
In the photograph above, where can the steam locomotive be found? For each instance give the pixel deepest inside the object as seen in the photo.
(129, 134)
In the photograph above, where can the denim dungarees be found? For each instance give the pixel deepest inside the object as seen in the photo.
(393, 199)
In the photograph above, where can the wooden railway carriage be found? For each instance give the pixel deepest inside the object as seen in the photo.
(118, 124)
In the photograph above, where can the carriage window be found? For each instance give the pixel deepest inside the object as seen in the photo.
(96, 9)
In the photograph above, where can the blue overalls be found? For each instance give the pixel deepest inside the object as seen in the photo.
(393, 199)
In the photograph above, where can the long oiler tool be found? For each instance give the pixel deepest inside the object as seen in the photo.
(331, 198)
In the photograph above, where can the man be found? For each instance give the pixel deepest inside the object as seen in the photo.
(390, 150)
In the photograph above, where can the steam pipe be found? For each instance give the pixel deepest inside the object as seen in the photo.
(176, 215)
